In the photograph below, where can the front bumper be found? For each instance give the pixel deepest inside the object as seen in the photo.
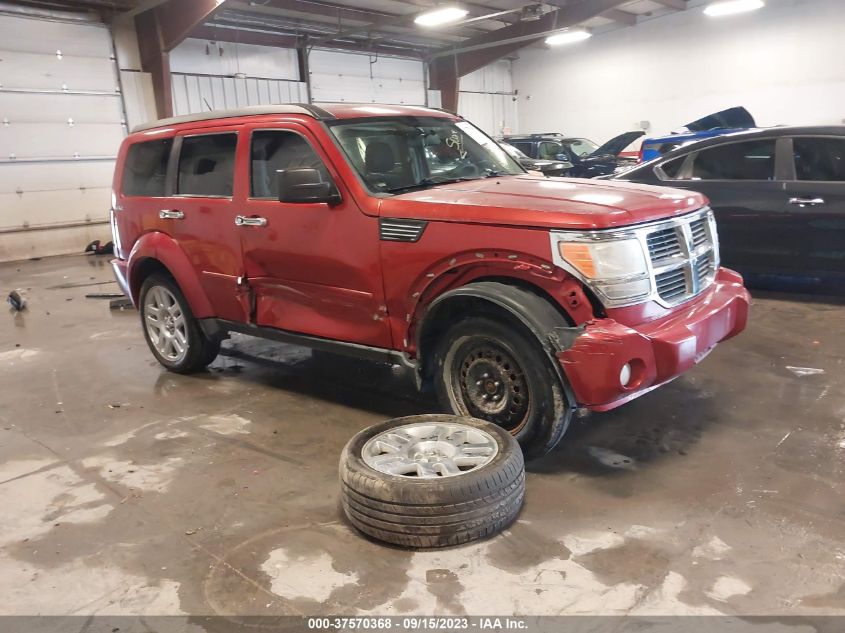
(657, 351)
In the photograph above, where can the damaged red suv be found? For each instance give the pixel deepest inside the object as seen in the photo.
(405, 234)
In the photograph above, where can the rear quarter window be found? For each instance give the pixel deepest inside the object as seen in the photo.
(207, 165)
(145, 170)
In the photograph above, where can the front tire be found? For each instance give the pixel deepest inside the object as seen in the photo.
(172, 333)
(494, 371)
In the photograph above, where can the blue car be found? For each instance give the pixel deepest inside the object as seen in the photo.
(724, 122)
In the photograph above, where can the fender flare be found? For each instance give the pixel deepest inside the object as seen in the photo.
(164, 249)
(534, 312)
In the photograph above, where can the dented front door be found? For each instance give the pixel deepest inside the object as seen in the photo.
(312, 268)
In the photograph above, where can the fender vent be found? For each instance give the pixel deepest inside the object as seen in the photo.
(400, 230)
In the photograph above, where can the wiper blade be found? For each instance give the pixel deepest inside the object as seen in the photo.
(427, 182)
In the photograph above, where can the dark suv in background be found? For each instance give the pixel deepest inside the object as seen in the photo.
(588, 159)
(779, 199)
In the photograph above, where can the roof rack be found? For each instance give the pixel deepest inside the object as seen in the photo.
(288, 108)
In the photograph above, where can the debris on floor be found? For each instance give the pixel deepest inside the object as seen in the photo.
(104, 295)
(804, 371)
(97, 248)
(16, 300)
(120, 304)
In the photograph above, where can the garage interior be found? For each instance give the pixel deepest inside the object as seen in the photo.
(129, 490)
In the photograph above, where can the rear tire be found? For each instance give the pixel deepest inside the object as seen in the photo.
(496, 372)
(172, 333)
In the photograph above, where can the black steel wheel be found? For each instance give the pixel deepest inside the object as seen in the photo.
(494, 371)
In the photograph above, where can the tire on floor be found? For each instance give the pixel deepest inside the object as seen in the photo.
(432, 480)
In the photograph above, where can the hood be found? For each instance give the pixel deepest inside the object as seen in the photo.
(731, 118)
(535, 201)
(615, 145)
(542, 163)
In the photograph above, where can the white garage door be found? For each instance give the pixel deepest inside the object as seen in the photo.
(365, 78)
(61, 123)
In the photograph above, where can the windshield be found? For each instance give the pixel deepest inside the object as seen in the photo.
(396, 154)
(514, 152)
(581, 146)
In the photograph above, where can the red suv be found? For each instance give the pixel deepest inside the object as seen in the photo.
(407, 235)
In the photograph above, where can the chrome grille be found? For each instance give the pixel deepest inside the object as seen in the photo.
(663, 244)
(698, 228)
(672, 284)
(684, 256)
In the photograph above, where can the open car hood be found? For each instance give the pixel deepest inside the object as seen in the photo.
(731, 118)
(618, 143)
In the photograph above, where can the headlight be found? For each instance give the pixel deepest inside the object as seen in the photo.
(613, 265)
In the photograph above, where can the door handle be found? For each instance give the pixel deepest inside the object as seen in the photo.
(242, 220)
(167, 214)
(808, 202)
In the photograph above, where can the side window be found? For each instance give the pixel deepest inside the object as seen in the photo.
(820, 159)
(145, 171)
(750, 160)
(523, 147)
(273, 150)
(671, 168)
(548, 151)
(207, 165)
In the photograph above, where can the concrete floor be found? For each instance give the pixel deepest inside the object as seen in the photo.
(128, 490)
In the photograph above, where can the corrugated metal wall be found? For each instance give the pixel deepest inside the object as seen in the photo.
(218, 75)
(487, 98)
(61, 122)
(200, 93)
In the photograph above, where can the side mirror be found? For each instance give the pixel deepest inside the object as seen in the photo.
(562, 156)
(305, 185)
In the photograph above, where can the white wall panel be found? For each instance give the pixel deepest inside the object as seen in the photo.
(28, 35)
(495, 77)
(225, 59)
(47, 71)
(138, 97)
(783, 63)
(493, 113)
(487, 98)
(60, 140)
(17, 108)
(45, 209)
(339, 77)
(22, 178)
(49, 135)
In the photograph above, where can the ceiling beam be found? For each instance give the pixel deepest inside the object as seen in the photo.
(511, 38)
(623, 17)
(678, 5)
(177, 18)
(407, 21)
(224, 33)
(475, 9)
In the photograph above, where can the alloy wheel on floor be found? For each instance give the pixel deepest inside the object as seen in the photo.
(432, 480)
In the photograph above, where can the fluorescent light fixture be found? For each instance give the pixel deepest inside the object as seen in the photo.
(730, 7)
(567, 37)
(440, 15)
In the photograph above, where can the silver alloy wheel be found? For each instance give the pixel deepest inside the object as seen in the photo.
(429, 450)
(165, 323)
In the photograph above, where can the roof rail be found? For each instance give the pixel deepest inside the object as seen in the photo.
(287, 108)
